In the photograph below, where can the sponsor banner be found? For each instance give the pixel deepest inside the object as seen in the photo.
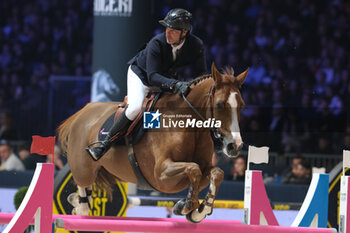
(113, 8)
(121, 28)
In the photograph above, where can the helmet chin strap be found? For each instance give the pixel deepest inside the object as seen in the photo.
(181, 39)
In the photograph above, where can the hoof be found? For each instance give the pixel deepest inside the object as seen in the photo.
(179, 206)
(199, 214)
(81, 210)
(195, 217)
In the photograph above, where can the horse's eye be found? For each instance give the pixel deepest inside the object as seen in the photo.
(219, 105)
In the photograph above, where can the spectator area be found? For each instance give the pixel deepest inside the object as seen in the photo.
(297, 93)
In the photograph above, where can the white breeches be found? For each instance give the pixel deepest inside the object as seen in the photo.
(136, 92)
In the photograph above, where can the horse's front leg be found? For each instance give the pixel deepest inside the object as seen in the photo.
(173, 174)
(216, 176)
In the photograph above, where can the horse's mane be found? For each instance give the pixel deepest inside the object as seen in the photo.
(200, 79)
(226, 71)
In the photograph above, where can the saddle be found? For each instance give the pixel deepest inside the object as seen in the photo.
(135, 131)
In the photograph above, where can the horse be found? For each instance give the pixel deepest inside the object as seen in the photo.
(170, 160)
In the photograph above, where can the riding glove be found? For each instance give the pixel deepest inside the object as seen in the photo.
(182, 88)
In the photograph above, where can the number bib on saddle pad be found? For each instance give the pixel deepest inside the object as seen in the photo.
(135, 130)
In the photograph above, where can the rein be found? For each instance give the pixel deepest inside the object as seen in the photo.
(215, 131)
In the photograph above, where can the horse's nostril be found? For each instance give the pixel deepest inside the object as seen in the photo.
(230, 147)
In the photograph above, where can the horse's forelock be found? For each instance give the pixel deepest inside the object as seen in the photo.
(228, 75)
(228, 71)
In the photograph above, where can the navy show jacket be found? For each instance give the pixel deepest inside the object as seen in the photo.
(155, 66)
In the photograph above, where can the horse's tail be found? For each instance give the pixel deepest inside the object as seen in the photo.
(105, 181)
(64, 130)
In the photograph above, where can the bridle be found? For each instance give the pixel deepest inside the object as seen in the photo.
(210, 94)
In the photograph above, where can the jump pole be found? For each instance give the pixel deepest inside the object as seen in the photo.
(171, 227)
(5, 218)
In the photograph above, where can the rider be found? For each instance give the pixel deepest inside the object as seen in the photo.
(156, 66)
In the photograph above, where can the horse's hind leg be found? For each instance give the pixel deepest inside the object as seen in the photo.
(81, 201)
(84, 172)
(216, 176)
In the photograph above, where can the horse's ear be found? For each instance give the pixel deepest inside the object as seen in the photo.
(242, 76)
(215, 73)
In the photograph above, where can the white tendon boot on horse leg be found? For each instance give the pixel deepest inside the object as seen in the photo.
(81, 202)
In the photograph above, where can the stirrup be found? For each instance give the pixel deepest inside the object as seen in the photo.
(90, 147)
(105, 144)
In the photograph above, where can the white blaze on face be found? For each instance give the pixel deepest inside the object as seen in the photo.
(234, 127)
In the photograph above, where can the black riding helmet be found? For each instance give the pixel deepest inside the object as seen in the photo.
(178, 19)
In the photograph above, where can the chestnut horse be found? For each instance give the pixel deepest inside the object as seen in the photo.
(171, 161)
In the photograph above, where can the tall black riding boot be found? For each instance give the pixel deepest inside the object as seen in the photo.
(120, 126)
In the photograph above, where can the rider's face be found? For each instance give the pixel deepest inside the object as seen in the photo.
(172, 35)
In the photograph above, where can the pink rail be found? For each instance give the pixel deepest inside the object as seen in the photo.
(5, 218)
(140, 224)
(170, 227)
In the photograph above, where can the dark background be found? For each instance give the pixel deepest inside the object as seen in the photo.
(296, 94)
